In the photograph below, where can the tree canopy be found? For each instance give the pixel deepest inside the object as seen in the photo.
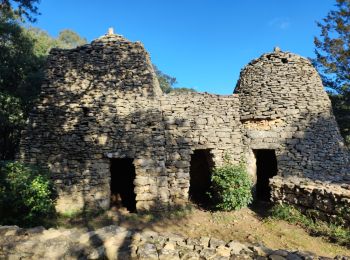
(23, 53)
(333, 48)
(333, 61)
(19, 9)
(167, 83)
(68, 39)
(18, 61)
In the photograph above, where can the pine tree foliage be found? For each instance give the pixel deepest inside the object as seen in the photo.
(333, 61)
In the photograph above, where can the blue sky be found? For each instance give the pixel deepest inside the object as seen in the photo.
(203, 43)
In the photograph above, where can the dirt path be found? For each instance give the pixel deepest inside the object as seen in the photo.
(244, 225)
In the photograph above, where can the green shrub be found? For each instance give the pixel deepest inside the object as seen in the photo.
(231, 187)
(12, 121)
(335, 232)
(26, 195)
(289, 214)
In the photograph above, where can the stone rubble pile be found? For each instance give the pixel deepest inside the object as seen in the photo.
(113, 242)
(331, 200)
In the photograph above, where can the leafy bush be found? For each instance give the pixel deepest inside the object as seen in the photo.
(12, 120)
(334, 231)
(231, 187)
(26, 195)
(289, 214)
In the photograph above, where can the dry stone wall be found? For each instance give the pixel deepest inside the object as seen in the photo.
(102, 101)
(331, 201)
(198, 121)
(99, 98)
(284, 107)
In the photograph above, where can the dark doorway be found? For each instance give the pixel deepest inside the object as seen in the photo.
(122, 184)
(266, 168)
(200, 177)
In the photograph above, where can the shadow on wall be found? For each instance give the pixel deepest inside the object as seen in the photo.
(318, 149)
(82, 153)
(77, 128)
(91, 118)
(310, 146)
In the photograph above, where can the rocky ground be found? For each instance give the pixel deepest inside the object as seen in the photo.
(115, 242)
(248, 226)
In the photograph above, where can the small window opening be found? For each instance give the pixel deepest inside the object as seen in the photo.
(200, 177)
(122, 184)
(266, 164)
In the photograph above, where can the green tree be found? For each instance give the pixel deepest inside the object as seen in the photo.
(333, 61)
(24, 9)
(20, 76)
(183, 90)
(18, 62)
(167, 83)
(18, 71)
(68, 39)
(42, 42)
(23, 54)
(27, 195)
(12, 120)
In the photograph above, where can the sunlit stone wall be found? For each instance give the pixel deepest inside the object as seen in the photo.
(102, 101)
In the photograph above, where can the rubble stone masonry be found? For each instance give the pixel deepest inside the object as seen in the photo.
(102, 101)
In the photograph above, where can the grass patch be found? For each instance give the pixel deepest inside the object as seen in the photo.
(173, 214)
(80, 218)
(100, 218)
(222, 217)
(335, 232)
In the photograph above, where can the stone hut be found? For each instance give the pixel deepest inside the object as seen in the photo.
(107, 133)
